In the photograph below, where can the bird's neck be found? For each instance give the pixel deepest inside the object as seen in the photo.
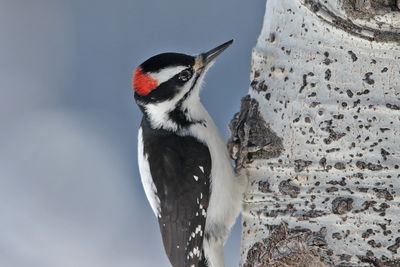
(176, 117)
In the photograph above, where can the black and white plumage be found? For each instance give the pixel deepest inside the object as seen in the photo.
(180, 170)
(183, 162)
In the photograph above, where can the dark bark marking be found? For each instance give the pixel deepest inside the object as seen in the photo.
(328, 74)
(286, 188)
(300, 165)
(353, 56)
(368, 78)
(393, 248)
(263, 186)
(392, 106)
(342, 205)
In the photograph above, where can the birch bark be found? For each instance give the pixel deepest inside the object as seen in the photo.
(319, 136)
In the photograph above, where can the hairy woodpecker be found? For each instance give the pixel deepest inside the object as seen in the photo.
(183, 161)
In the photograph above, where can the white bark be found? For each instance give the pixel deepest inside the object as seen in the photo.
(319, 136)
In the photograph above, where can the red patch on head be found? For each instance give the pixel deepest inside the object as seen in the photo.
(142, 83)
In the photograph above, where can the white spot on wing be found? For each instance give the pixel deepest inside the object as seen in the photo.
(196, 177)
(201, 168)
(203, 212)
(196, 251)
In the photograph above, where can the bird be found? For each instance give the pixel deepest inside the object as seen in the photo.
(183, 161)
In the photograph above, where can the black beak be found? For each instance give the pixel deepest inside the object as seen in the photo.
(213, 53)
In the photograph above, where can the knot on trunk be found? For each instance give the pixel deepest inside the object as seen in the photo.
(251, 137)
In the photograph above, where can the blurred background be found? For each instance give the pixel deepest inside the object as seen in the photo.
(70, 191)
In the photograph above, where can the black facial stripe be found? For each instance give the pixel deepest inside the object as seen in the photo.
(166, 90)
(186, 74)
(187, 94)
(194, 82)
(178, 115)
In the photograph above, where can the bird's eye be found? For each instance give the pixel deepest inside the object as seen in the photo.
(185, 75)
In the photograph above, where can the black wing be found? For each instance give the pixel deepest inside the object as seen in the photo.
(180, 168)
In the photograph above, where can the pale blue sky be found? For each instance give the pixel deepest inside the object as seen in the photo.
(70, 192)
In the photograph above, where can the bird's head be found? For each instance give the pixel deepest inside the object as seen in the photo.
(167, 85)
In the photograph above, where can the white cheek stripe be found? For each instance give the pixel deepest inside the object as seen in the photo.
(158, 113)
(166, 74)
(145, 175)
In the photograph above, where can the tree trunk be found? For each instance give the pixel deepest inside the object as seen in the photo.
(319, 136)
